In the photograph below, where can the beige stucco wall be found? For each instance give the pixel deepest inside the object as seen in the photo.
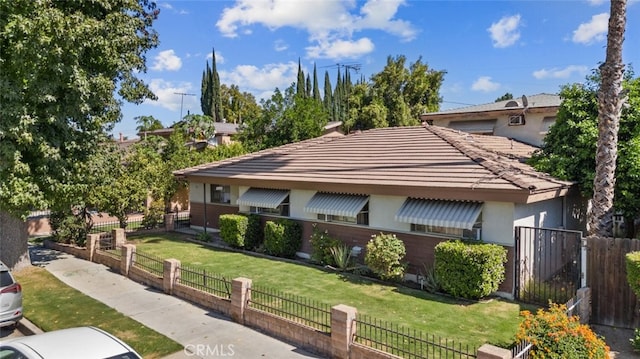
(544, 214)
(497, 223)
(382, 212)
(297, 200)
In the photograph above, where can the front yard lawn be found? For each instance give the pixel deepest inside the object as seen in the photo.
(493, 321)
(51, 305)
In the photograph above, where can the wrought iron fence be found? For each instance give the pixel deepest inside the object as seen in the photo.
(207, 282)
(407, 343)
(182, 220)
(150, 263)
(548, 264)
(292, 307)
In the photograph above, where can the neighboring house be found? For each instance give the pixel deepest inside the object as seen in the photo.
(525, 119)
(426, 184)
(224, 132)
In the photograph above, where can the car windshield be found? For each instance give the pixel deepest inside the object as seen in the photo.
(128, 355)
(5, 279)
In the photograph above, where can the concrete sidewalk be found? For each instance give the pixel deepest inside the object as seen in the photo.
(204, 334)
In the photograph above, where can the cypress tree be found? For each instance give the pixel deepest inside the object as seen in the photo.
(308, 92)
(300, 85)
(328, 95)
(217, 98)
(205, 92)
(316, 90)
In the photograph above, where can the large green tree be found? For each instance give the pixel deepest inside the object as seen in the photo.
(569, 151)
(210, 96)
(407, 92)
(66, 66)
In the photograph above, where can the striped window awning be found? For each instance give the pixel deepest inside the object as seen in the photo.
(439, 213)
(263, 197)
(336, 204)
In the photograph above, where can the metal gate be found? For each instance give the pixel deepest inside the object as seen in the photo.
(549, 264)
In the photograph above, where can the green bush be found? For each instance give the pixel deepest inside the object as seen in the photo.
(153, 215)
(321, 244)
(430, 282)
(341, 256)
(633, 271)
(233, 228)
(555, 335)
(254, 236)
(470, 269)
(282, 238)
(635, 341)
(384, 256)
(203, 236)
(69, 227)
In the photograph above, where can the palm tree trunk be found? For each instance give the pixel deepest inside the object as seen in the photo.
(609, 110)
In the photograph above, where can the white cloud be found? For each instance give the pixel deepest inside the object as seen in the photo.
(484, 84)
(340, 49)
(556, 73)
(595, 2)
(261, 81)
(280, 45)
(167, 60)
(168, 97)
(504, 33)
(592, 31)
(165, 5)
(324, 21)
(219, 57)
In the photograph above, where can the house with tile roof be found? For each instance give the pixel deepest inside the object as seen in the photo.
(526, 119)
(426, 184)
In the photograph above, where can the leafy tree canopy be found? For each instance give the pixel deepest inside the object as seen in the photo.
(148, 123)
(506, 96)
(570, 146)
(62, 64)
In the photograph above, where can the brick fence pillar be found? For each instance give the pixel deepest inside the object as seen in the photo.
(126, 260)
(342, 330)
(488, 351)
(170, 274)
(118, 237)
(93, 243)
(240, 295)
(169, 222)
(584, 307)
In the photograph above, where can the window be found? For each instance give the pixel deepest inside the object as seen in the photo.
(220, 193)
(280, 210)
(361, 218)
(474, 233)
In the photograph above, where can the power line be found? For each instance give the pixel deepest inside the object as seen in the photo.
(182, 100)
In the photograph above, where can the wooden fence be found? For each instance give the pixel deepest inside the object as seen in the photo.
(613, 301)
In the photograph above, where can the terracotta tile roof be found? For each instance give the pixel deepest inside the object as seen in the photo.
(429, 162)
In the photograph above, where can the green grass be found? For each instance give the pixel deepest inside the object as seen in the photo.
(51, 305)
(474, 323)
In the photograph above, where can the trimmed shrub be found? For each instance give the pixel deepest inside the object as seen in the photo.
(553, 334)
(254, 236)
(68, 227)
(233, 228)
(469, 269)
(282, 238)
(384, 256)
(633, 271)
(321, 244)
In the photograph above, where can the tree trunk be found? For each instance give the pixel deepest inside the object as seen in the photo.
(14, 250)
(609, 110)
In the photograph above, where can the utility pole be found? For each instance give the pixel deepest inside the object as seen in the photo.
(182, 100)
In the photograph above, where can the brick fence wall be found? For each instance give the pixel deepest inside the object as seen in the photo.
(337, 343)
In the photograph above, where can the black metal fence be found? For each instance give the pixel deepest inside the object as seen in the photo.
(208, 282)
(150, 263)
(182, 220)
(548, 264)
(407, 343)
(292, 307)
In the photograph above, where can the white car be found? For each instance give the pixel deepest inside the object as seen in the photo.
(72, 343)
(10, 298)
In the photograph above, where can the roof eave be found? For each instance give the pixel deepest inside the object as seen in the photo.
(486, 114)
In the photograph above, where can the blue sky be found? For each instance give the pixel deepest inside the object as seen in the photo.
(487, 48)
